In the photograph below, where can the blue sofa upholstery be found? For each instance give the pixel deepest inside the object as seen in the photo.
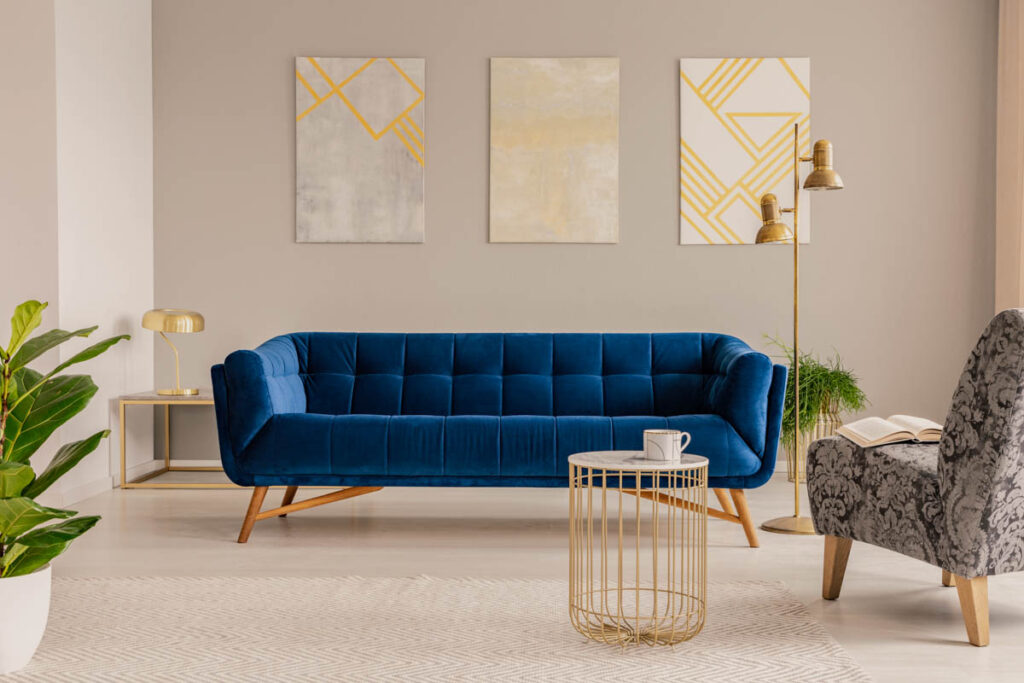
(347, 409)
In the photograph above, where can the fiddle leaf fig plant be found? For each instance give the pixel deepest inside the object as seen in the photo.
(32, 406)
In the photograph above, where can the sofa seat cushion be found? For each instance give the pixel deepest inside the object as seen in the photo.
(305, 444)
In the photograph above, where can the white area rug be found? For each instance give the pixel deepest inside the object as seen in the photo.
(415, 629)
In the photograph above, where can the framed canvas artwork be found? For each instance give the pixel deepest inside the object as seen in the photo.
(360, 149)
(554, 150)
(737, 119)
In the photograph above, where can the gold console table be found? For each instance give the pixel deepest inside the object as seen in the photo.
(637, 547)
(152, 398)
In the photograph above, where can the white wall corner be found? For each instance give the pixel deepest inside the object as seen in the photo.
(104, 67)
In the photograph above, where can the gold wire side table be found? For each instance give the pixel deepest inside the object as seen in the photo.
(637, 547)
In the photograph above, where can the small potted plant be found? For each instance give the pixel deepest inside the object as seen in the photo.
(827, 390)
(32, 406)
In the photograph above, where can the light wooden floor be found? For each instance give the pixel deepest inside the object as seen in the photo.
(894, 616)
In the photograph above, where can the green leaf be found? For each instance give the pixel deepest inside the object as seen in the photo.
(36, 417)
(25, 560)
(18, 515)
(89, 352)
(13, 552)
(14, 478)
(26, 318)
(83, 355)
(37, 346)
(67, 457)
(33, 550)
(57, 534)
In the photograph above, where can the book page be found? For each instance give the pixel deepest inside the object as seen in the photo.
(915, 425)
(873, 428)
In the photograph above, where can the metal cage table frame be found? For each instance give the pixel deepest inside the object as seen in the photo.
(152, 398)
(637, 547)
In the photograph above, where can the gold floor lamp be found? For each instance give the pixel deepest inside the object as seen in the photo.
(773, 231)
(174, 320)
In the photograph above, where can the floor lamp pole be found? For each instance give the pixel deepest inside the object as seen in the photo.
(796, 320)
(795, 524)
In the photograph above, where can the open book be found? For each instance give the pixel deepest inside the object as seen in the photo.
(874, 431)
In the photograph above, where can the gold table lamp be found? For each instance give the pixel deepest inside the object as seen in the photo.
(773, 231)
(174, 320)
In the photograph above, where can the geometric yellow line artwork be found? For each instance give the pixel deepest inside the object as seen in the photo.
(736, 143)
(360, 149)
(401, 125)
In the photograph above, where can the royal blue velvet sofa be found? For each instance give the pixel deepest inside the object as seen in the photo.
(370, 410)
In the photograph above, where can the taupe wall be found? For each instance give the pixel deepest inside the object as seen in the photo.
(28, 172)
(898, 276)
(28, 156)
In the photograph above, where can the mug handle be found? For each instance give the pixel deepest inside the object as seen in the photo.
(682, 447)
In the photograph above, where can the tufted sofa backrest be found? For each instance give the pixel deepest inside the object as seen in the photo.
(338, 373)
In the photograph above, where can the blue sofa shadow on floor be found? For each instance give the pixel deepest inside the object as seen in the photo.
(367, 410)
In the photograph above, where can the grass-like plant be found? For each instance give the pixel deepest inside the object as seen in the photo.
(826, 387)
(32, 406)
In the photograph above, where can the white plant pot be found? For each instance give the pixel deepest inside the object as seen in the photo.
(26, 601)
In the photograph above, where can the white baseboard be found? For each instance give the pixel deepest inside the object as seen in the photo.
(87, 490)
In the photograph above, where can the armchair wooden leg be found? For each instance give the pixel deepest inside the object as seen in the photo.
(258, 494)
(289, 496)
(974, 605)
(837, 552)
(740, 499)
(723, 500)
(947, 579)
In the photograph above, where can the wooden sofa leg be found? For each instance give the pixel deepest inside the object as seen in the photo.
(837, 552)
(723, 500)
(743, 512)
(258, 494)
(947, 579)
(974, 605)
(289, 496)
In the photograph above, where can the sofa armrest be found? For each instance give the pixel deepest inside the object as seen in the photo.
(220, 406)
(260, 384)
(737, 389)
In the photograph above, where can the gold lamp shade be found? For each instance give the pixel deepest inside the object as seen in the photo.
(823, 177)
(174, 320)
(772, 227)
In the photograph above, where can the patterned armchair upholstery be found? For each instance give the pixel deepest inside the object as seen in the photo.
(958, 504)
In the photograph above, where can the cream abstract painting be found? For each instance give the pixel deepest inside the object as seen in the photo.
(554, 150)
(736, 143)
(360, 149)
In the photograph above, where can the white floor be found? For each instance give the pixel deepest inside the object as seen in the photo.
(894, 617)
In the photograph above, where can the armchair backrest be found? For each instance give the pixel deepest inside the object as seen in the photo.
(981, 454)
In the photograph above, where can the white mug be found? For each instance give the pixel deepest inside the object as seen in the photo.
(664, 444)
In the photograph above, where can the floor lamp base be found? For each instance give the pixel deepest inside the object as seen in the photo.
(790, 525)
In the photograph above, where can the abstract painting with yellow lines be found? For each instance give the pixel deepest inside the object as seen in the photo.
(736, 143)
(360, 149)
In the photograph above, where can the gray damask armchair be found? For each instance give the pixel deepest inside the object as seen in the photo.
(958, 504)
